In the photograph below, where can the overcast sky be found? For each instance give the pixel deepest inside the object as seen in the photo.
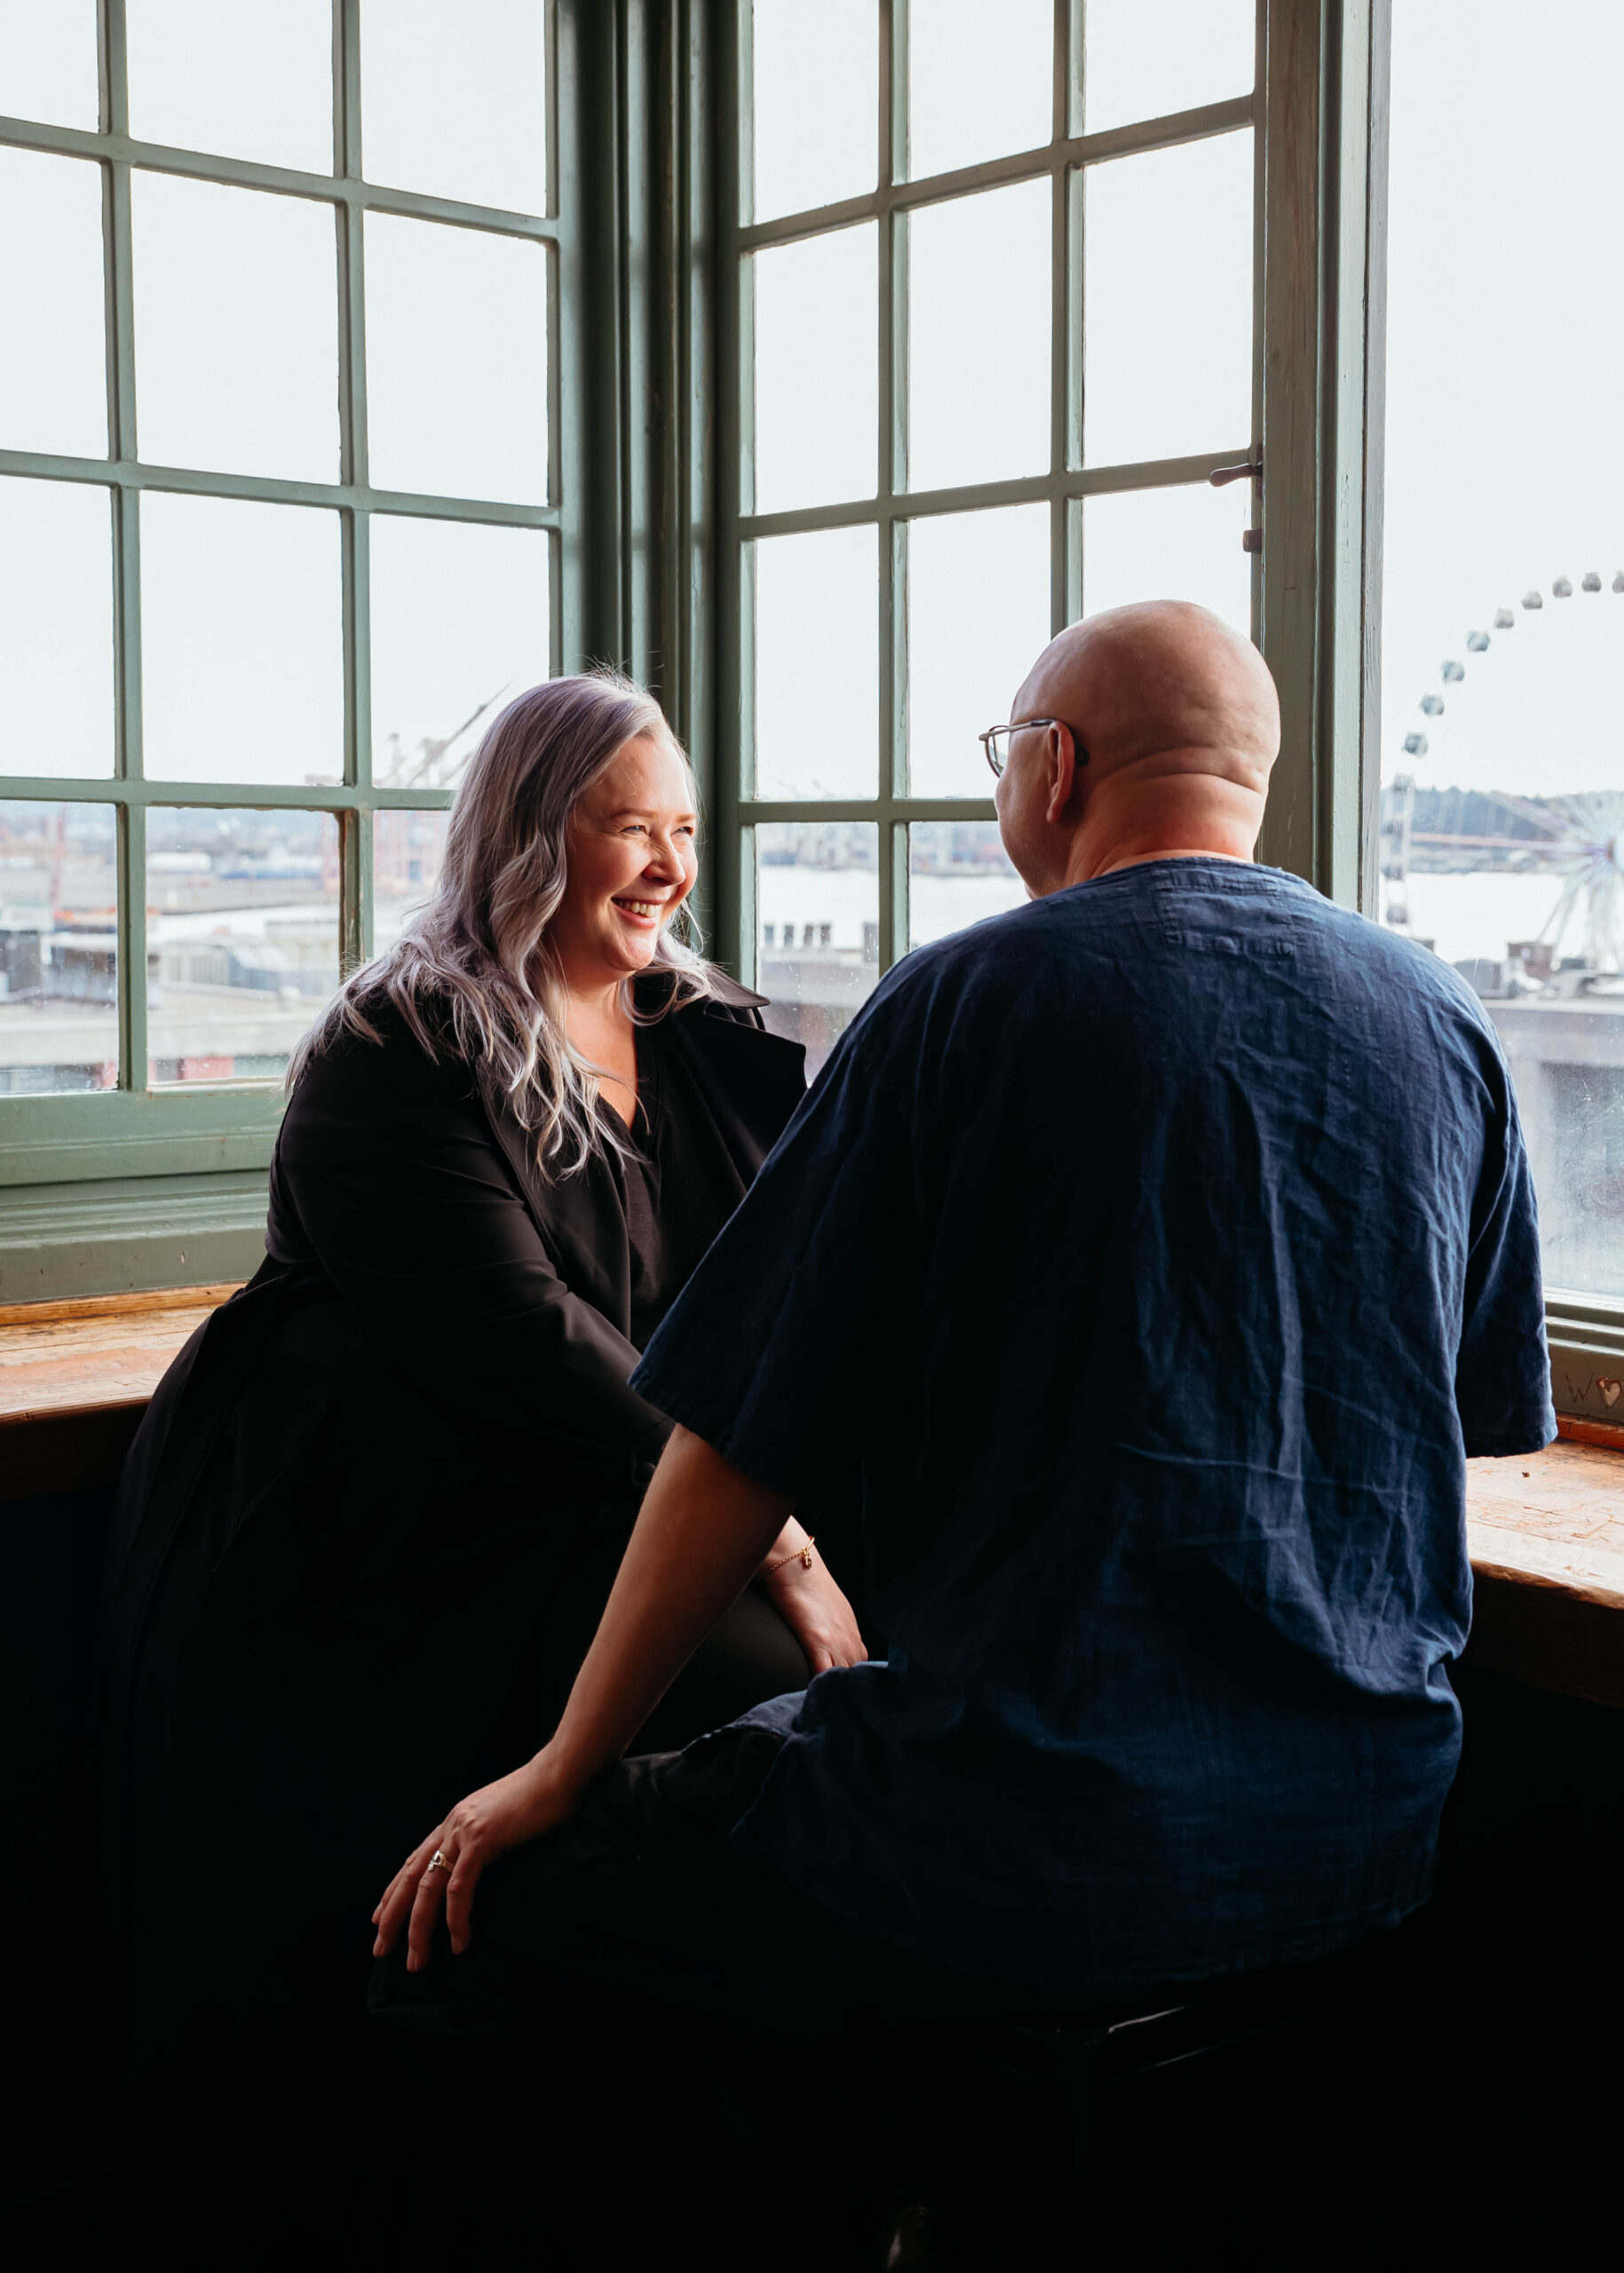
(1505, 454)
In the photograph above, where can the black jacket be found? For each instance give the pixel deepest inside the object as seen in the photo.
(375, 1506)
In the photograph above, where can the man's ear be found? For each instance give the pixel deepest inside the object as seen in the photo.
(1059, 758)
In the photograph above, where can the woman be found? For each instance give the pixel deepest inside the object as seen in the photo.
(369, 1522)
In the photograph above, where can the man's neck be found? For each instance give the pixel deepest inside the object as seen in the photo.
(1184, 817)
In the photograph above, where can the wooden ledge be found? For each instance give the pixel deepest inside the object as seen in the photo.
(1546, 1538)
(75, 1378)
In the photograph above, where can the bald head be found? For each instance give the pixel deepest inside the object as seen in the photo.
(1172, 725)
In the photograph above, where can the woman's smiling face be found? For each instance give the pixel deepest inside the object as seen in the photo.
(632, 862)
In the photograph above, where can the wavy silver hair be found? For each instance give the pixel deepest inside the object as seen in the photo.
(473, 973)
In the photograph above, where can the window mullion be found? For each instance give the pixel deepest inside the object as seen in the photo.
(355, 928)
(125, 508)
(891, 446)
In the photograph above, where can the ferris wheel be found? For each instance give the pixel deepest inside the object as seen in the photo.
(1578, 838)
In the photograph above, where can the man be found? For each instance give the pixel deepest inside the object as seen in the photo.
(1157, 1254)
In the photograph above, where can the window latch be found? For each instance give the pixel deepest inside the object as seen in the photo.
(1222, 474)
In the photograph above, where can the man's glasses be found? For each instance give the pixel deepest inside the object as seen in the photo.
(997, 740)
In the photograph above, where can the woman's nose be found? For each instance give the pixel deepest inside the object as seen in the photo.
(664, 860)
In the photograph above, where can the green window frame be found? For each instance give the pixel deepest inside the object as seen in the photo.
(1318, 176)
(140, 1188)
(142, 1167)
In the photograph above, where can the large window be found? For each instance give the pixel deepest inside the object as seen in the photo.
(280, 491)
(1502, 801)
(994, 273)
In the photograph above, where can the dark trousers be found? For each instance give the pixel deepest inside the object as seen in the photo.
(634, 1975)
(643, 1897)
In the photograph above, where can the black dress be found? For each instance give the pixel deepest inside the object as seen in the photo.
(370, 1520)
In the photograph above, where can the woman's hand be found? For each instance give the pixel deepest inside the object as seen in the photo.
(810, 1602)
(448, 1863)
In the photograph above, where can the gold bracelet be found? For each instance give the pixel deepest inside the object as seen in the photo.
(801, 1554)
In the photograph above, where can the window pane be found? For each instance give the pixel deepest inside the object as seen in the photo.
(980, 81)
(453, 99)
(1167, 262)
(978, 361)
(242, 641)
(236, 329)
(59, 949)
(1503, 627)
(1147, 58)
(978, 619)
(234, 77)
(48, 61)
(406, 852)
(56, 628)
(53, 393)
(817, 371)
(958, 872)
(1171, 544)
(817, 909)
(242, 939)
(816, 121)
(816, 664)
(456, 361)
(459, 627)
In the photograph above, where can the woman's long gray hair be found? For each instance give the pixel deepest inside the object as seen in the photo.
(472, 971)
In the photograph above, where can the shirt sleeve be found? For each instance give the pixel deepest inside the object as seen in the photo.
(775, 1351)
(1502, 1375)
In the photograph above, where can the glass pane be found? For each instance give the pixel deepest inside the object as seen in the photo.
(817, 369)
(453, 99)
(1167, 261)
(242, 641)
(459, 627)
(54, 395)
(242, 939)
(456, 361)
(1502, 624)
(977, 620)
(817, 909)
(406, 852)
(816, 664)
(1147, 58)
(957, 872)
(234, 77)
(56, 628)
(236, 329)
(1168, 544)
(978, 361)
(59, 949)
(48, 68)
(815, 129)
(980, 81)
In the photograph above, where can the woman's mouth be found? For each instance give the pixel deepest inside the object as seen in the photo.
(641, 911)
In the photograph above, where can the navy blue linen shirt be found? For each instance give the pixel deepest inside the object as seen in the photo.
(1157, 1254)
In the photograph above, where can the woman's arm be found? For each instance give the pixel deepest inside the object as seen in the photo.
(704, 1530)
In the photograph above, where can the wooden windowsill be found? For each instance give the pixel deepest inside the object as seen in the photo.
(1547, 1539)
(1546, 1532)
(75, 1378)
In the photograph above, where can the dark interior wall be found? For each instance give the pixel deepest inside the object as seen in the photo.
(1515, 1984)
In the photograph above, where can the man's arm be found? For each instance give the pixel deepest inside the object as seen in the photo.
(702, 1533)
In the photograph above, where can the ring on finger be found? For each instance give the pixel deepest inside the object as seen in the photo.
(440, 1860)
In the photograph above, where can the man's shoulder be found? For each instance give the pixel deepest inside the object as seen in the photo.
(1086, 936)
